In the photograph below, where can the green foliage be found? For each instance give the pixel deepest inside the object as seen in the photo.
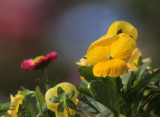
(140, 61)
(70, 94)
(85, 100)
(79, 113)
(107, 94)
(40, 99)
(47, 112)
(140, 71)
(60, 92)
(60, 108)
(47, 82)
(134, 94)
(64, 100)
(83, 88)
(4, 108)
(86, 72)
(55, 99)
(71, 104)
(106, 113)
(22, 112)
(27, 108)
(125, 95)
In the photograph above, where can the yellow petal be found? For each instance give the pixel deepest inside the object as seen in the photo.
(15, 101)
(133, 61)
(82, 62)
(123, 47)
(104, 41)
(96, 54)
(146, 60)
(112, 68)
(53, 92)
(125, 27)
(121, 115)
(99, 50)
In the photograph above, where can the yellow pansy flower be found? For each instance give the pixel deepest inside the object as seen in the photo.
(133, 61)
(122, 27)
(15, 102)
(109, 55)
(53, 92)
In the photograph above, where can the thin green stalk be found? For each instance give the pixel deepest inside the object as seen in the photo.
(45, 77)
(38, 104)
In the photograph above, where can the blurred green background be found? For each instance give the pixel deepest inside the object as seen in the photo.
(30, 28)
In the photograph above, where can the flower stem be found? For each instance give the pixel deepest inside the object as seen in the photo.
(67, 109)
(45, 78)
(39, 104)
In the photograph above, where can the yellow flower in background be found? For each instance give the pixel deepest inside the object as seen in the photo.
(121, 115)
(133, 62)
(82, 62)
(122, 27)
(109, 55)
(53, 92)
(15, 102)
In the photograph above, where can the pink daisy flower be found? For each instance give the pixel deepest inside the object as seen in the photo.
(39, 62)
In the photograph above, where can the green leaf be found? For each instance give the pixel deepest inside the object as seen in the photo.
(140, 61)
(106, 113)
(119, 84)
(71, 104)
(85, 91)
(86, 72)
(155, 75)
(48, 82)
(40, 98)
(128, 81)
(55, 99)
(106, 93)
(7, 115)
(70, 94)
(60, 108)
(4, 108)
(80, 114)
(146, 80)
(84, 83)
(40, 115)
(154, 87)
(85, 100)
(25, 92)
(47, 112)
(23, 112)
(140, 72)
(60, 92)
(27, 105)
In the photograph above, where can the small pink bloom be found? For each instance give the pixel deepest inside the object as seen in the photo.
(39, 62)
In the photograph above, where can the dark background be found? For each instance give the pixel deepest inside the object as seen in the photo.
(29, 28)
